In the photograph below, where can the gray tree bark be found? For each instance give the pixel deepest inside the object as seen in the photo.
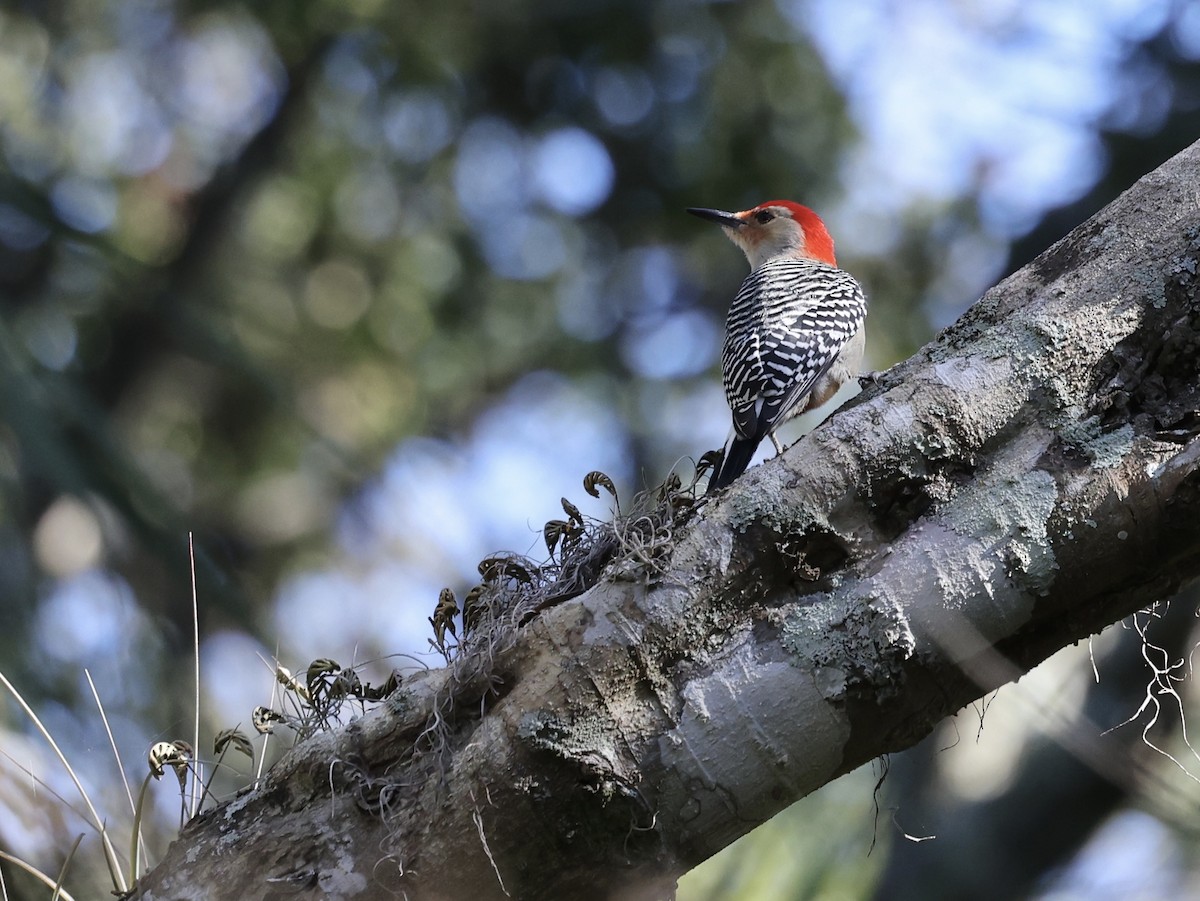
(1029, 477)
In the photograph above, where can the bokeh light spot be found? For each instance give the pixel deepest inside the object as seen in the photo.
(67, 538)
(573, 172)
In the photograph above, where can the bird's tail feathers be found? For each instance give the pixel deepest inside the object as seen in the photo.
(738, 454)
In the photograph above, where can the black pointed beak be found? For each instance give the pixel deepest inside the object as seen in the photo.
(729, 220)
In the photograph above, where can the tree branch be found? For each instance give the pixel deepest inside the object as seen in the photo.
(1029, 477)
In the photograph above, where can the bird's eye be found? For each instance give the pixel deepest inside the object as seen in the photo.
(763, 216)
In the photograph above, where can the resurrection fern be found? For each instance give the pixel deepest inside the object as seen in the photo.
(515, 588)
(318, 703)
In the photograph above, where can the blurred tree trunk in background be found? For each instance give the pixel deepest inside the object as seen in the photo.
(1026, 479)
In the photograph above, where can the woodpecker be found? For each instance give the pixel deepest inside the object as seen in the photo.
(794, 333)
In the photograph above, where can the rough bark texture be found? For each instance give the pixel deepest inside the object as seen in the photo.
(1026, 479)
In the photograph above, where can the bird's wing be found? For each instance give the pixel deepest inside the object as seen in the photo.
(787, 325)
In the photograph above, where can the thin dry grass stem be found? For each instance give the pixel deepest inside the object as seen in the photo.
(62, 872)
(194, 804)
(46, 787)
(36, 874)
(135, 852)
(266, 733)
(110, 854)
(226, 739)
(117, 756)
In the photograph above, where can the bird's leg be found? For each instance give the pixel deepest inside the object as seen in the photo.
(870, 378)
(775, 441)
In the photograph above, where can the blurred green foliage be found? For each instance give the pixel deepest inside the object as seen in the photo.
(244, 254)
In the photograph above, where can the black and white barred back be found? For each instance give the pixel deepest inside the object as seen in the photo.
(787, 325)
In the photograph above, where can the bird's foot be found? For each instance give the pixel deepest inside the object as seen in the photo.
(867, 379)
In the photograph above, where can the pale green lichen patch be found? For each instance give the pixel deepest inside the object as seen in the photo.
(1075, 342)
(1104, 450)
(807, 632)
(1007, 510)
(772, 506)
(953, 592)
(847, 643)
(937, 445)
(1146, 284)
